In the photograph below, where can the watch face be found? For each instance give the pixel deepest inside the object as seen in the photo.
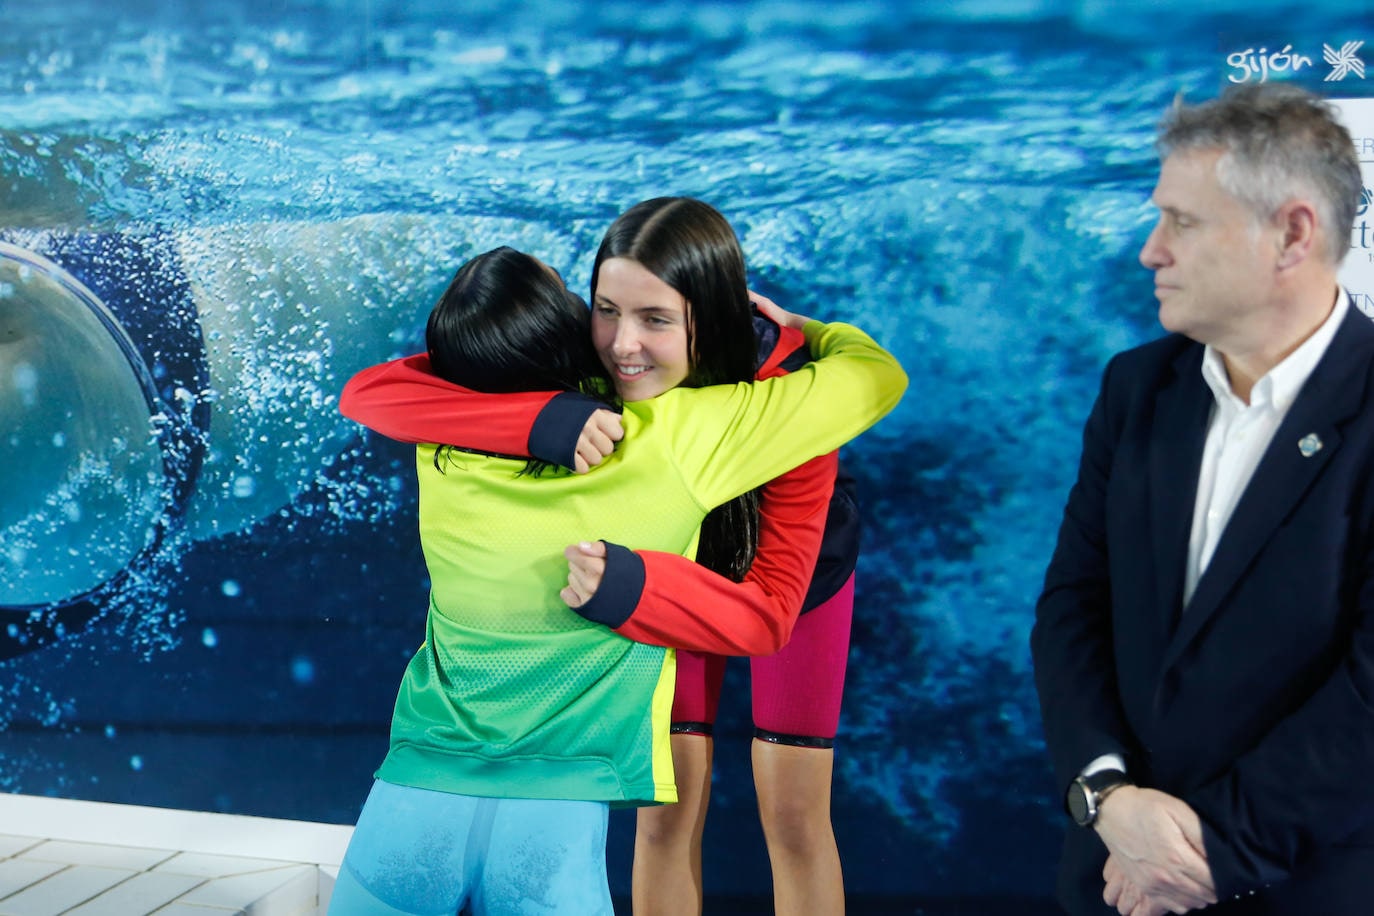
(1077, 803)
(1085, 794)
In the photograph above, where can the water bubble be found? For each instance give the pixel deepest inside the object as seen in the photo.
(230, 588)
(302, 670)
(244, 486)
(209, 638)
(109, 731)
(25, 378)
(136, 763)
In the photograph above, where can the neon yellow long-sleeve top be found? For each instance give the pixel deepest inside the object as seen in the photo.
(514, 695)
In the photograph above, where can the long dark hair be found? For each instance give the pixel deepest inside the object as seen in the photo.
(507, 323)
(690, 246)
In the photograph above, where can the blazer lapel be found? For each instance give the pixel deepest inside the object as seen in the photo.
(1332, 394)
(1182, 409)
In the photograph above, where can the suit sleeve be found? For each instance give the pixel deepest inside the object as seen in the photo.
(1303, 786)
(1071, 641)
(404, 400)
(667, 600)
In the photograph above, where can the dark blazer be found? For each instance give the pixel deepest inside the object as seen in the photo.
(1255, 705)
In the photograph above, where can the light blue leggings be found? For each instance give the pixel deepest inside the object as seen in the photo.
(424, 853)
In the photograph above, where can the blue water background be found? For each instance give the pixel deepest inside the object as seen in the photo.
(967, 180)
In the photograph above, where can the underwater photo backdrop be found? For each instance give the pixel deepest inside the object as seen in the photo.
(213, 215)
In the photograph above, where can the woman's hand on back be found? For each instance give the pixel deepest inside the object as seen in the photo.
(586, 566)
(599, 435)
(774, 312)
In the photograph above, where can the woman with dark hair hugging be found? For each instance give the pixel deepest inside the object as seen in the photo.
(519, 722)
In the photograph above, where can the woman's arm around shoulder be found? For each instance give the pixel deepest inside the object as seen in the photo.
(728, 439)
(404, 400)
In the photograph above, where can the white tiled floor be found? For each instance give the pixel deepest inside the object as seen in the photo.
(89, 859)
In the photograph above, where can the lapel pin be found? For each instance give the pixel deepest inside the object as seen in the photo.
(1309, 445)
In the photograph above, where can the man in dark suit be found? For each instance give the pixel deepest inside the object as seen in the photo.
(1204, 645)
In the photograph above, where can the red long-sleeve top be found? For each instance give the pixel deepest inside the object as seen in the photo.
(648, 596)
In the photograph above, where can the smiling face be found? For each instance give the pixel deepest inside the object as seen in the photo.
(639, 329)
(1214, 263)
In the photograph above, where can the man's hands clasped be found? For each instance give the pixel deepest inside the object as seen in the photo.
(1157, 863)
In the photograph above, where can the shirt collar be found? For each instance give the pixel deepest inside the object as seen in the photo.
(1280, 385)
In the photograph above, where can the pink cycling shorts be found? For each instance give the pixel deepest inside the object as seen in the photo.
(796, 691)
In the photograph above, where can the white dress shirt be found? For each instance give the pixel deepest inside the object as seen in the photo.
(1238, 434)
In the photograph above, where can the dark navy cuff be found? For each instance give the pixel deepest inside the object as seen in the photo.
(621, 587)
(553, 437)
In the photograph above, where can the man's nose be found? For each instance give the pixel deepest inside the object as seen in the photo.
(1153, 254)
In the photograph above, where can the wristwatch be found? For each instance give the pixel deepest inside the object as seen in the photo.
(1084, 798)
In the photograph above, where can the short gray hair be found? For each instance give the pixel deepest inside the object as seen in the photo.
(1278, 141)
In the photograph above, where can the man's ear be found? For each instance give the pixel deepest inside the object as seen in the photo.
(1296, 221)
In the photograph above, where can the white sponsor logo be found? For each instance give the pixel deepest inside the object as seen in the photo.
(1343, 62)
(1251, 64)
